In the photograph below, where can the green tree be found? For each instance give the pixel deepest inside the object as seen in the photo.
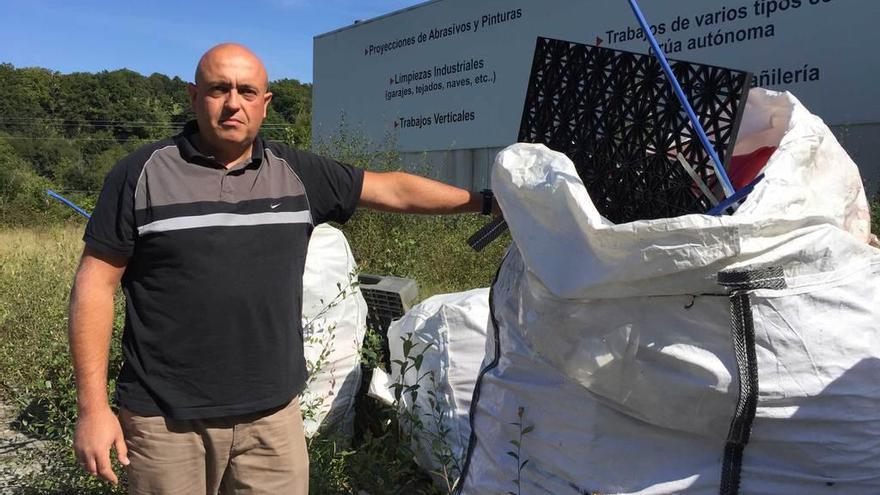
(26, 107)
(292, 101)
(22, 192)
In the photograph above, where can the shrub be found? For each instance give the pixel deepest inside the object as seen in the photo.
(23, 199)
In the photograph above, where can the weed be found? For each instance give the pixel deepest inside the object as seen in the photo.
(319, 334)
(441, 414)
(428, 428)
(517, 443)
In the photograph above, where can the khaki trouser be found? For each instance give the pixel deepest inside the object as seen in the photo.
(248, 454)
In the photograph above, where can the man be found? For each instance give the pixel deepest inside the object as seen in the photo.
(207, 231)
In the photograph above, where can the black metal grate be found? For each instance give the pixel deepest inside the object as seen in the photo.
(387, 298)
(383, 305)
(613, 113)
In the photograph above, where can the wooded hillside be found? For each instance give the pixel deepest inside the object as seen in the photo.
(65, 131)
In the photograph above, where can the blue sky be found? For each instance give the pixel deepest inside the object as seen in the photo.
(169, 36)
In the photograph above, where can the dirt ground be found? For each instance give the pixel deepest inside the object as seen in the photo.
(17, 452)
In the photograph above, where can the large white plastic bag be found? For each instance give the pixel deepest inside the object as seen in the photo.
(615, 340)
(334, 324)
(448, 331)
(809, 174)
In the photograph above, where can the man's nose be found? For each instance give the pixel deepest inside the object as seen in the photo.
(233, 99)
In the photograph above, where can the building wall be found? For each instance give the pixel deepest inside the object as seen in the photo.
(451, 75)
(861, 142)
(469, 168)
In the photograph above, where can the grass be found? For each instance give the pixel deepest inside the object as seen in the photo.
(429, 249)
(35, 279)
(35, 371)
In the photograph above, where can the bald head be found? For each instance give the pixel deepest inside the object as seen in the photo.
(226, 54)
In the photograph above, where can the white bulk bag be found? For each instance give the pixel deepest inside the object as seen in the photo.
(334, 322)
(694, 354)
(448, 331)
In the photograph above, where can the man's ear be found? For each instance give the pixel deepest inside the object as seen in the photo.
(268, 98)
(193, 91)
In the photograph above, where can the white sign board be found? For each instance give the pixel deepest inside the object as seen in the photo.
(452, 74)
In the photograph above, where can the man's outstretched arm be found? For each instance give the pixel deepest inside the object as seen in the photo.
(407, 193)
(90, 329)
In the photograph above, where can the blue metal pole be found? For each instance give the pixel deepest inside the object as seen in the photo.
(67, 202)
(719, 167)
(722, 207)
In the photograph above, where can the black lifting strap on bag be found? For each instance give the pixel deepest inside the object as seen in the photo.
(743, 337)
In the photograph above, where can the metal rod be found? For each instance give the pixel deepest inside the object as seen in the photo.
(696, 178)
(658, 52)
(68, 203)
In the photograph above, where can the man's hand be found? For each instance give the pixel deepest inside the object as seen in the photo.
(96, 432)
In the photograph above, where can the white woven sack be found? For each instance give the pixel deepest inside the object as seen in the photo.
(620, 365)
(448, 331)
(334, 324)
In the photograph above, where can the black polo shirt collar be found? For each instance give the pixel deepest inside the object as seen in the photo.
(189, 152)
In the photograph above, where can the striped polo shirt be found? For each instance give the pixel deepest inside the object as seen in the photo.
(213, 284)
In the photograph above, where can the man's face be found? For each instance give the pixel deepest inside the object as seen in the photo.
(230, 98)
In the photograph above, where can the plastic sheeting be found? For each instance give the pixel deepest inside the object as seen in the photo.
(334, 324)
(448, 331)
(618, 364)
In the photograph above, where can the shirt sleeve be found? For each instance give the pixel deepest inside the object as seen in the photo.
(111, 228)
(333, 188)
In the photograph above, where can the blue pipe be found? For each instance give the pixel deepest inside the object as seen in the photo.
(68, 203)
(735, 198)
(719, 167)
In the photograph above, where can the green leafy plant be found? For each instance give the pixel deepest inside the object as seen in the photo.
(322, 335)
(439, 436)
(411, 418)
(427, 428)
(517, 444)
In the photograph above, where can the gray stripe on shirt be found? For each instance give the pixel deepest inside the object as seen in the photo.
(225, 220)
